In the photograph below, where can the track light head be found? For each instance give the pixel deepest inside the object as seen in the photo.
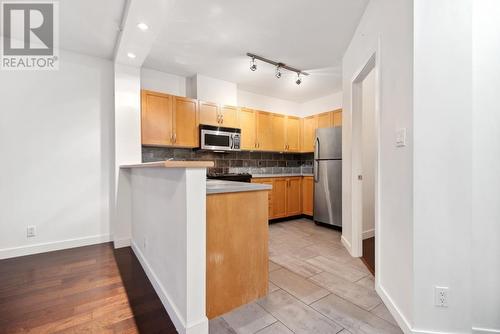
(278, 72)
(299, 79)
(253, 66)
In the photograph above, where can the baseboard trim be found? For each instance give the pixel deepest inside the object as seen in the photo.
(7, 253)
(197, 327)
(480, 330)
(120, 243)
(368, 234)
(394, 310)
(346, 244)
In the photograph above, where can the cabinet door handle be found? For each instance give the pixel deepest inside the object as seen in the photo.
(175, 137)
(172, 138)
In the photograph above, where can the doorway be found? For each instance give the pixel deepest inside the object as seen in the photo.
(365, 163)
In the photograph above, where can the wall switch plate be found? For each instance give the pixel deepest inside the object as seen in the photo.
(401, 137)
(441, 296)
(31, 231)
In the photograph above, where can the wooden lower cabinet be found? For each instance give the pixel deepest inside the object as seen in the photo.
(285, 199)
(307, 195)
(237, 250)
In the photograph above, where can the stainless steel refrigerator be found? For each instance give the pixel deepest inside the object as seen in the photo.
(328, 176)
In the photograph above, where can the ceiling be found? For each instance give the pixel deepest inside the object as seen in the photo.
(212, 38)
(90, 27)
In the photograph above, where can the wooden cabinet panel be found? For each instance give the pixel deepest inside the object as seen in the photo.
(278, 133)
(294, 196)
(293, 134)
(229, 116)
(268, 181)
(280, 190)
(307, 195)
(308, 132)
(248, 129)
(185, 122)
(337, 118)
(209, 113)
(156, 118)
(264, 131)
(325, 120)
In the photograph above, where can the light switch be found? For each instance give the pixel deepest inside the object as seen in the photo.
(401, 137)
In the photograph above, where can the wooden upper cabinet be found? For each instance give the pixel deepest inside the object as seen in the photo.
(264, 132)
(185, 122)
(209, 113)
(307, 195)
(325, 120)
(309, 126)
(294, 196)
(337, 118)
(156, 118)
(228, 116)
(278, 133)
(279, 200)
(293, 134)
(248, 128)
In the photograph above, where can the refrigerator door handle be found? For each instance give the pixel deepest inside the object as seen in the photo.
(316, 171)
(316, 149)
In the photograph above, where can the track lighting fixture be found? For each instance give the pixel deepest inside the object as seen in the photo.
(299, 79)
(253, 66)
(278, 71)
(279, 67)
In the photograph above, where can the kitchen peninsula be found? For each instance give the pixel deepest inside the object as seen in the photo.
(203, 244)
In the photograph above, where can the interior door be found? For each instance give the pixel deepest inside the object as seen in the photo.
(185, 122)
(248, 128)
(209, 113)
(156, 118)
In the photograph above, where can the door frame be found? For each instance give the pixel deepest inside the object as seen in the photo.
(372, 63)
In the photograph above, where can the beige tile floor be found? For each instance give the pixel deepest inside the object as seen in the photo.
(315, 287)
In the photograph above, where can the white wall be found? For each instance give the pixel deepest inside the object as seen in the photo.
(386, 29)
(326, 103)
(169, 238)
(163, 82)
(213, 90)
(127, 147)
(56, 131)
(369, 147)
(442, 162)
(268, 103)
(486, 164)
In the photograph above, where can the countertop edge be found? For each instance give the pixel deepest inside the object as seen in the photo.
(171, 164)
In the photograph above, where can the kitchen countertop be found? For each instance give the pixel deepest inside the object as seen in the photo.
(172, 164)
(257, 176)
(220, 187)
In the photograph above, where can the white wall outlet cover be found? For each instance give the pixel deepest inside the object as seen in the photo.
(31, 231)
(401, 137)
(441, 295)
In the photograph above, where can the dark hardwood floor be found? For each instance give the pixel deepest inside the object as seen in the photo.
(93, 289)
(369, 254)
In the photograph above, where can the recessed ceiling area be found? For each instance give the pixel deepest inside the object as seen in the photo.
(212, 38)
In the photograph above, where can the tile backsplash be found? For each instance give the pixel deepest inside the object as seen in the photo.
(237, 162)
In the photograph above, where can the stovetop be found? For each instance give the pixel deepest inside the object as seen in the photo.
(241, 177)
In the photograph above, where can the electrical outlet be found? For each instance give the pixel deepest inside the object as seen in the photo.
(401, 137)
(441, 296)
(31, 231)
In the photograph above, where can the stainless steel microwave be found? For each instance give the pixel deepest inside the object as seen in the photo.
(215, 138)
